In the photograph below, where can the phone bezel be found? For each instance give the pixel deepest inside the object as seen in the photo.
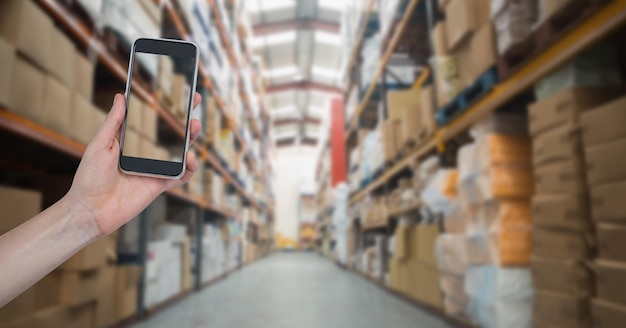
(152, 167)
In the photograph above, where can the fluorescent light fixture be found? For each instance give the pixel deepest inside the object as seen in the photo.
(328, 38)
(325, 72)
(261, 5)
(281, 72)
(283, 111)
(274, 39)
(337, 5)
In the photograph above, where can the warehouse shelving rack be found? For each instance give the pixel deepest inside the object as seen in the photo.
(49, 139)
(587, 32)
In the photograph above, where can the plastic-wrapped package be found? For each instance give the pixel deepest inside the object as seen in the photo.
(499, 149)
(500, 182)
(501, 215)
(454, 308)
(437, 195)
(454, 287)
(511, 124)
(451, 254)
(500, 297)
(456, 221)
(446, 77)
(501, 248)
(424, 172)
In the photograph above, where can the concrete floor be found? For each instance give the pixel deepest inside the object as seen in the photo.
(288, 290)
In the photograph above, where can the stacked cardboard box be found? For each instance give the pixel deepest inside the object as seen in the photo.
(513, 21)
(411, 119)
(495, 186)
(46, 80)
(604, 140)
(562, 233)
(470, 39)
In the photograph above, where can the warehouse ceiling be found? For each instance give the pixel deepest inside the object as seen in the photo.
(299, 43)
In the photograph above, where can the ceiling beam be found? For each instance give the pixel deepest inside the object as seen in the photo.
(303, 85)
(296, 24)
(308, 141)
(292, 120)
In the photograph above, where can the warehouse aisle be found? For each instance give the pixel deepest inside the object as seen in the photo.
(290, 290)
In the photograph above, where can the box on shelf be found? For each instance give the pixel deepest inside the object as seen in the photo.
(605, 162)
(428, 108)
(149, 120)
(440, 39)
(71, 288)
(607, 203)
(426, 281)
(561, 310)
(7, 61)
(57, 106)
(62, 61)
(610, 282)
(569, 277)
(513, 22)
(561, 245)
(461, 21)
(607, 314)
(566, 106)
(426, 235)
(604, 123)
(84, 79)
(560, 177)
(28, 85)
(567, 211)
(476, 55)
(19, 205)
(59, 316)
(399, 100)
(506, 247)
(134, 119)
(563, 142)
(28, 29)
(82, 112)
(611, 239)
(171, 232)
(126, 279)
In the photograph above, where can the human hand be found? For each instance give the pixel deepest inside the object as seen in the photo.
(112, 198)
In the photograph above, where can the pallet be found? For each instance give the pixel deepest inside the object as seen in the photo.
(468, 96)
(545, 34)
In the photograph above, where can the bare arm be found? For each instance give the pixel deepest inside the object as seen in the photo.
(100, 200)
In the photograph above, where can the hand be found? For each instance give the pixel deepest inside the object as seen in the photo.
(112, 198)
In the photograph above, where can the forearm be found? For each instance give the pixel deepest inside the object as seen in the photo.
(38, 246)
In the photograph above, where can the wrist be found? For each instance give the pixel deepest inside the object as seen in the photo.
(80, 218)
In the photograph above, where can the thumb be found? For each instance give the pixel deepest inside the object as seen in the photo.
(112, 124)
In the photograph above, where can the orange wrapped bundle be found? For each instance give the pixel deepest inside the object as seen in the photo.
(499, 149)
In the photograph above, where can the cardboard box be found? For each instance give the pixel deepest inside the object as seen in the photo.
(28, 84)
(149, 119)
(563, 142)
(71, 288)
(134, 116)
(164, 78)
(403, 237)
(460, 22)
(572, 278)
(89, 258)
(82, 113)
(186, 265)
(427, 279)
(410, 125)
(21, 306)
(105, 315)
(390, 140)
(19, 205)
(561, 245)
(62, 59)
(483, 48)
(562, 211)
(57, 106)
(126, 280)
(7, 62)
(561, 310)
(607, 315)
(605, 123)
(399, 100)
(610, 281)
(607, 202)
(428, 109)
(132, 144)
(566, 106)
(606, 162)
(28, 29)
(560, 177)
(440, 39)
(426, 235)
(84, 70)
(611, 240)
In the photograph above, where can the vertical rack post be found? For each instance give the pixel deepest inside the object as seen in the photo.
(144, 218)
(199, 244)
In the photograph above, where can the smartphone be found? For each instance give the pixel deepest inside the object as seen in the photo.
(182, 58)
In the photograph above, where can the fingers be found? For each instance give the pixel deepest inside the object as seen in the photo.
(194, 130)
(197, 99)
(112, 124)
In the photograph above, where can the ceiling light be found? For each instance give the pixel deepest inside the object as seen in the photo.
(329, 38)
(325, 72)
(255, 6)
(337, 5)
(281, 71)
(283, 111)
(282, 37)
